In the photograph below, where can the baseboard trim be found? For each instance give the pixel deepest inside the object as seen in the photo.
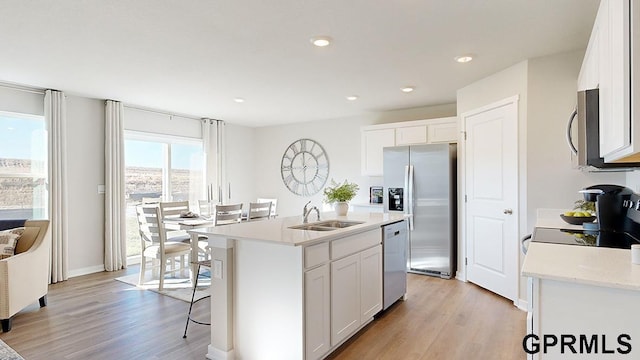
(522, 304)
(217, 354)
(86, 270)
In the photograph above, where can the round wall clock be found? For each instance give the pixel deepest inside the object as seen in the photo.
(304, 167)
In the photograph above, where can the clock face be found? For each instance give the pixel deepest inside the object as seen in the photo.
(304, 167)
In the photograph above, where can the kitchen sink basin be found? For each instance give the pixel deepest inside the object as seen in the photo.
(327, 225)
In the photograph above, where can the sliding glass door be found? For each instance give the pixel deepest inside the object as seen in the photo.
(23, 166)
(159, 168)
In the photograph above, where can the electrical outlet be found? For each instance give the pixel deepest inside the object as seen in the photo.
(217, 269)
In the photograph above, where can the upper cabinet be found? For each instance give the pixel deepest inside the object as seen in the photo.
(373, 141)
(376, 137)
(612, 54)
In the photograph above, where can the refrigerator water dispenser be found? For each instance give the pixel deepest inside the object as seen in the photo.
(396, 199)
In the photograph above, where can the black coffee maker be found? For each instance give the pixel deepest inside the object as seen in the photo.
(609, 200)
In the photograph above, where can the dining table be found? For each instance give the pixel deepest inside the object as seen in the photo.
(173, 223)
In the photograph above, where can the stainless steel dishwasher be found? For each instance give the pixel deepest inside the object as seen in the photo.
(394, 245)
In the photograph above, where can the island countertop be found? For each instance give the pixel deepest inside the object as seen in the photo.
(278, 230)
(587, 265)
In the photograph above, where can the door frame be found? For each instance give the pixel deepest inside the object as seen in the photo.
(461, 273)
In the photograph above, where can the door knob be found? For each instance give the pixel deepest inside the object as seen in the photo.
(508, 211)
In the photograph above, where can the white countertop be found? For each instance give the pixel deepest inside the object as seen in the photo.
(579, 264)
(277, 230)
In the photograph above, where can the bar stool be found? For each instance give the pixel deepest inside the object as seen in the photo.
(203, 263)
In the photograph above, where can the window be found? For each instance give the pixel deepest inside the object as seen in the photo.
(23, 166)
(159, 168)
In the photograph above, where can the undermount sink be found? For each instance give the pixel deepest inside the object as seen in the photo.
(327, 225)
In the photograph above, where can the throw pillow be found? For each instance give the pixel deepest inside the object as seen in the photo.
(8, 240)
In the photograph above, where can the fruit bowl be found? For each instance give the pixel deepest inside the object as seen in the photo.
(577, 220)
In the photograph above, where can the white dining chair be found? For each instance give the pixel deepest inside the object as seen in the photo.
(228, 214)
(273, 202)
(259, 211)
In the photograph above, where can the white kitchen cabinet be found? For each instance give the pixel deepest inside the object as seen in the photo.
(443, 132)
(376, 137)
(345, 297)
(373, 141)
(370, 282)
(599, 313)
(588, 78)
(317, 312)
(610, 57)
(410, 135)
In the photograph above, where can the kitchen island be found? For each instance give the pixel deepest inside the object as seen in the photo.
(583, 297)
(288, 293)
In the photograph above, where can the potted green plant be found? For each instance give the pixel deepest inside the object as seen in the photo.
(340, 195)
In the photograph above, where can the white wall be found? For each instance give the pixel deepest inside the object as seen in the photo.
(547, 90)
(551, 180)
(341, 141)
(85, 166)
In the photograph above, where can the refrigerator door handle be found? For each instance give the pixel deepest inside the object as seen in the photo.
(410, 197)
(406, 194)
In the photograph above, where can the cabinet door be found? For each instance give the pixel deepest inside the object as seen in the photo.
(615, 90)
(345, 297)
(371, 282)
(588, 77)
(410, 135)
(317, 312)
(373, 141)
(445, 132)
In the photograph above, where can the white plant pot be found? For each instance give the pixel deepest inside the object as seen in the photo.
(341, 208)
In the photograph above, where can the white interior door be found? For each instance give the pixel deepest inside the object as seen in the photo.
(491, 189)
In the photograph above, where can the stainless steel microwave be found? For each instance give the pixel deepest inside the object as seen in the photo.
(586, 146)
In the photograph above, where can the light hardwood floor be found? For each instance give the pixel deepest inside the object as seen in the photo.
(96, 317)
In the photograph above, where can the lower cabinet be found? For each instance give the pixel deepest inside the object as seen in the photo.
(370, 283)
(345, 297)
(342, 292)
(317, 312)
(356, 292)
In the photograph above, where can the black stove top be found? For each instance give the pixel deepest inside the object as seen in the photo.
(609, 239)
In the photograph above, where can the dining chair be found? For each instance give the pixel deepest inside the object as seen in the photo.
(174, 209)
(206, 207)
(155, 246)
(273, 202)
(228, 214)
(259, 211)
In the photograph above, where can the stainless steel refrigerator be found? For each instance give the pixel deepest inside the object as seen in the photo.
(420, 181)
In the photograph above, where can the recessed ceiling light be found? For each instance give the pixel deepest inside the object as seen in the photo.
(321, 41)
(408, 89)
(352, 97)
(238, 100)
(464, 58)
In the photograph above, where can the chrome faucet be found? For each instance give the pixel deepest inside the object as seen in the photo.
(306, 212)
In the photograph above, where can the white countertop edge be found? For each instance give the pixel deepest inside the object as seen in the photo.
(276, 230)
(604, 267)
(584, 281)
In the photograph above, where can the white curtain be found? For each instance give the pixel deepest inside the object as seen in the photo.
(55, 113)
(115, 235)
(211, 139)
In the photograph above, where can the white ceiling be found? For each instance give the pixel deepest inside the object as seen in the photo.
(194, 57)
